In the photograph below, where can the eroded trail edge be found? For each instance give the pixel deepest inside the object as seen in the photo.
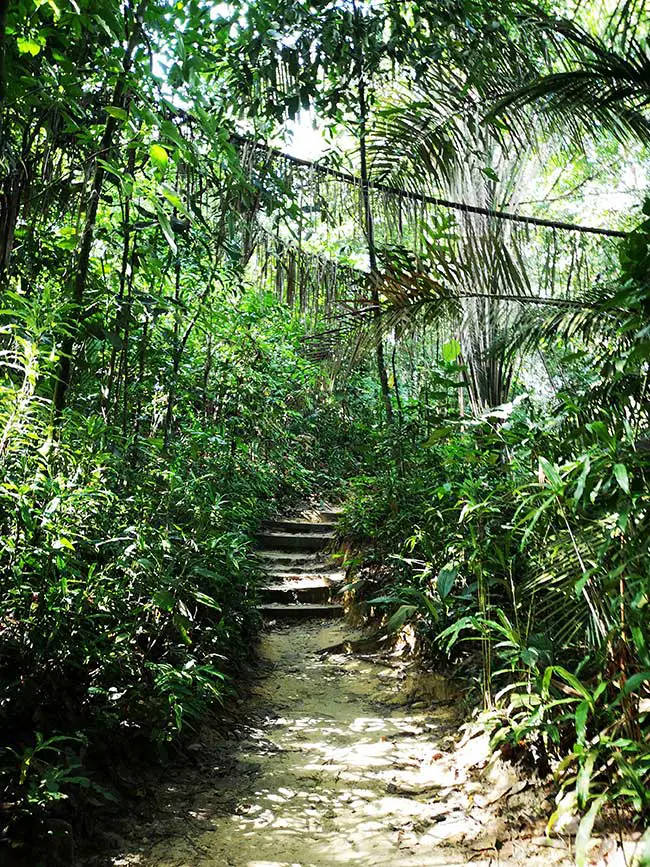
(346, 758)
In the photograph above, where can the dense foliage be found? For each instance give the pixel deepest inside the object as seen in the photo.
(196, 332)
(519, 545)
(129, 587)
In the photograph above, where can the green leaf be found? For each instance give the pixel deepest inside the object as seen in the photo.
(165, 225)
(634, 681)
(117, 112)
(163, 599)
(583, 780)
(570, 679)
(446, 579)
(399, 618)
(183, 624)
(620, 472)
(490, 173)
(582, 712)
(599, 429)
(173, 198)
(28, 46)
(206, 600)
(580, 486)
(158, 156)
(551, 472)
(440, 433)
(585, 828)
(451, 350)
(530, 656)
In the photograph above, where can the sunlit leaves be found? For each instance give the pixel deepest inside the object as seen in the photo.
(159, 157)
(451, 350)
(621, 475)
(27, 45)
(116, 112)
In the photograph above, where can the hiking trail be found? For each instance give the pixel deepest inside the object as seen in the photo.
(346, 757)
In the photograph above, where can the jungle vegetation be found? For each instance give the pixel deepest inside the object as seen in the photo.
(442, 321)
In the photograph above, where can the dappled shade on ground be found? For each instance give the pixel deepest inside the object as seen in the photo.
(346, 759)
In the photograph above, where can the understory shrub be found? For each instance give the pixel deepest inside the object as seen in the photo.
(518, 545)
(128, 583)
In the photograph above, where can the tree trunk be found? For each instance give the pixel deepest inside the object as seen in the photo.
(369, 225)
(4, 5)
(112, 398)
(82, 259)
(138, 409)
(125, 346)
(206, 376)
(176, 360)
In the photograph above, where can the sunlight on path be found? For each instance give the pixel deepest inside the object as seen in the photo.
(348, 760)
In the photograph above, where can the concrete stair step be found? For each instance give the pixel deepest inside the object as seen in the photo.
(295, 558)
(295, 541)
(299, 592)
(302, 576)
(283, 561)
(300, 611)
(289, 526)
(333, 576)
(330, 516)
(285, 571)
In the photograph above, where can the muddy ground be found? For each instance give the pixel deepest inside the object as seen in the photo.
(346, 758)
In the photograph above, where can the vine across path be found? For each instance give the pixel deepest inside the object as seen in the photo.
(349, 755)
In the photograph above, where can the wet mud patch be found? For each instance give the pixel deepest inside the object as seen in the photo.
(345, 759)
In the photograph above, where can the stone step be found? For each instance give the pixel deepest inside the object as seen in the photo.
(286, 570)
(283, 561)
(302, 576)
(279, 611)
(299, 592)
(290, 558)
(288, 526)
(330, 516)
(295, 541)
(333, 576)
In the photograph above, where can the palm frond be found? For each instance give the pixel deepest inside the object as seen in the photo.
(419, 140)
(601, 87)
(551, 589)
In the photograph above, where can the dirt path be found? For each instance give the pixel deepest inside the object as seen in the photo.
(346, 759)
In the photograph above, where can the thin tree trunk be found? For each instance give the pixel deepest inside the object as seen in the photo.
(138, 408)
(176, 360)
(179, 349)
(4, 6)
(125, 346)
(8, 199)
(369, 225)
(206, 375)
(118, 321)
(82, 259)
(291, 280)
(398, 397)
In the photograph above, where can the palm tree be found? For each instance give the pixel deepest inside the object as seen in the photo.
(429, 140)
(600, 83)
(437, 136)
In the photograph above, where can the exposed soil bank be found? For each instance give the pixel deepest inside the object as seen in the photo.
(346, 759)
